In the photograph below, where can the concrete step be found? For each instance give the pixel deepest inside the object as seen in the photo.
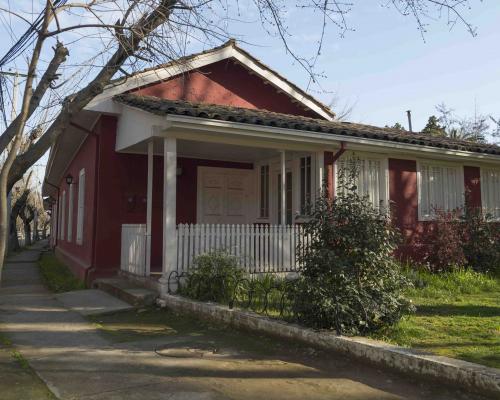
(127, 291)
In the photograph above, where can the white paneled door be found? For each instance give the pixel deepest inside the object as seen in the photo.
(225, 196)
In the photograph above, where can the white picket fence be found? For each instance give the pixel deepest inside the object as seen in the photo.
(133, 252)
(258, 248)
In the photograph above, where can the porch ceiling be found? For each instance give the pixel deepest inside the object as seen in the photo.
(208, 150)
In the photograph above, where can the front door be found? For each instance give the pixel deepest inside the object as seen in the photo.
(224, 196)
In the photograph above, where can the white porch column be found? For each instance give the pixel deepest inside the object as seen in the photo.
(169, 211)
(283, 188)
(320, 172)
(149, 207)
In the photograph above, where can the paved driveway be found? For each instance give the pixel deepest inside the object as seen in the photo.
(157, 355)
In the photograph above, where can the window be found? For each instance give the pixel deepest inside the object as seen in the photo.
(63, 212)
(70, 214)
(264, 191)
(305, 184)
(81, 207)
(440, 188)
(490, 191)
(371, 177)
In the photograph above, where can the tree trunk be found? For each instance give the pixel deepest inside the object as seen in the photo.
(13, 238)
(27, 234)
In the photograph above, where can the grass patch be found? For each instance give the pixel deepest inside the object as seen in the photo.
(58, 276)
(458, 315)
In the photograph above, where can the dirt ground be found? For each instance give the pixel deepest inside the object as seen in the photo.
(241, 365)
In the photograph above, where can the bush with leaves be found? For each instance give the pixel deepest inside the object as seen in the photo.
(481, 240)
(350, 280)
(443, 250)
(214, 277)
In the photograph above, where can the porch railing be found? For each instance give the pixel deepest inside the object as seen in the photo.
(257, 248)
(133, 252)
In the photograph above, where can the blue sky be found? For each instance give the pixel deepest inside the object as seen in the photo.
(386, 68)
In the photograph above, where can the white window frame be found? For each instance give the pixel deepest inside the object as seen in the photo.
(63, 215)
(460, 187)
(70, 214)
(80, 207)
(383, 173)
(485, 206)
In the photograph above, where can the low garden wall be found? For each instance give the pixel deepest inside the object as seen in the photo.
(470, 376)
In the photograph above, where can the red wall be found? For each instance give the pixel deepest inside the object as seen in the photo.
(472, 181)
(226, 83)
(403, 193)
(122, 199)
(79, 257)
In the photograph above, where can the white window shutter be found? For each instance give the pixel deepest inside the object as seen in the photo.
(70, 214)
(81, 207)
(490, 191)
(63, 214)
(370, 180)
(440, 188)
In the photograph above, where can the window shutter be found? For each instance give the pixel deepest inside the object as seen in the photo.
(70, 214)
(490, 191)
(81, 207)
(63, 216)
(369, 181)
(440, 189)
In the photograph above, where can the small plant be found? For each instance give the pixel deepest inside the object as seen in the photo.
(350, 280)
(215, 277)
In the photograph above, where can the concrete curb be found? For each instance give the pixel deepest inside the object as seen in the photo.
(467, 375)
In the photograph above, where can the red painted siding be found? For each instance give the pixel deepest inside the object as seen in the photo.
(472, 182)
(226, 83)
(404, 197)
(79, 257)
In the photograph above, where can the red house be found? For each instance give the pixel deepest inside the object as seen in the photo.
(217, 150)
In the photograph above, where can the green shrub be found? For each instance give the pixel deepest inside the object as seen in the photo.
(481, 241)
(349, 279)
(57, 276)
(214, 277)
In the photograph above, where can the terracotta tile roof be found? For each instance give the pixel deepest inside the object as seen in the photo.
(267, 118)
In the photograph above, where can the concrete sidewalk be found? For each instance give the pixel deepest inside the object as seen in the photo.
(77, 361)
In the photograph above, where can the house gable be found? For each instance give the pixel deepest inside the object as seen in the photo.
(228, 53)
(228, 83)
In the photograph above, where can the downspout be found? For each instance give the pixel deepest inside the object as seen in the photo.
(343, 148)
(335, 157)
(54, 233)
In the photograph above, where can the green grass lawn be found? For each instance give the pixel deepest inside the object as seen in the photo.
(58, 276)
(458, 315)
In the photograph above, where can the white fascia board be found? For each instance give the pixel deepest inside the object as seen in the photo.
(325, 140)
(280, 84)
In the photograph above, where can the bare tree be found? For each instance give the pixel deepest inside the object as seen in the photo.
(117, 37)
(473, 129)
